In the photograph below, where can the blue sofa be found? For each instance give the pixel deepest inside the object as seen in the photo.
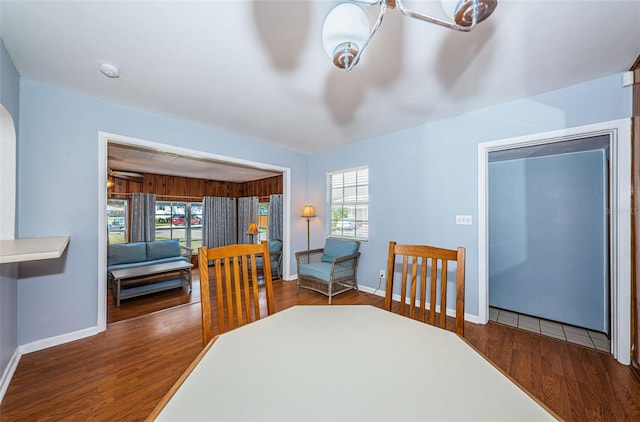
(129, 255)
(331, 270)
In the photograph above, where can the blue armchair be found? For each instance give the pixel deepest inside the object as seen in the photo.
(330, 270)
(275, 256)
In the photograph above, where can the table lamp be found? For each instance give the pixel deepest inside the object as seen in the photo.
(252, 230)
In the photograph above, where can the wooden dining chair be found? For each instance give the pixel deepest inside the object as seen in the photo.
(416, 260)
(236, 286)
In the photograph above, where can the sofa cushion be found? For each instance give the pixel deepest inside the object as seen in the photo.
(335, 248)
(114, 267)
(125, 253)
(162, 249)
(170, 259)
(275, 245)
(319, 270)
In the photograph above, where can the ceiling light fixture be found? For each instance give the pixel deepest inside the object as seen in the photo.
(109, 70)
(346, 34)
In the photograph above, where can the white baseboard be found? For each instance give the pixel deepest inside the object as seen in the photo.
(450, 312)
(371, 290)
(8, 373)
(378, 292)
(57, 340)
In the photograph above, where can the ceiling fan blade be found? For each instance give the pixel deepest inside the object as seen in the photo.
(127, 175)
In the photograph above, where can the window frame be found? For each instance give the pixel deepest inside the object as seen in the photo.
(188, 228)
(263, 220)
(358, 208)
(113, 202)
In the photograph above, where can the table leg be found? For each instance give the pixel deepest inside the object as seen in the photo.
(188, 274)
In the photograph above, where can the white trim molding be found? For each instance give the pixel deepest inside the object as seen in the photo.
(7, 375)
(57, 340)
(450, 312)
(7, 175)
(619, 132)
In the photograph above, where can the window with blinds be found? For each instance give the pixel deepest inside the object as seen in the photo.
(348, 192)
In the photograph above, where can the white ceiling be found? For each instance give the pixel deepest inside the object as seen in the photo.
(258, 69)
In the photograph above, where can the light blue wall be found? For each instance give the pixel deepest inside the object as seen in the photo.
(10, 99)
(421, 177)
(547, 238)
(57, 194)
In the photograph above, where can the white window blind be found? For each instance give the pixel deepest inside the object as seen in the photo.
(348, 192)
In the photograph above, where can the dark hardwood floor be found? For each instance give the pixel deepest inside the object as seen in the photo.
(143, 305)
(121, 374)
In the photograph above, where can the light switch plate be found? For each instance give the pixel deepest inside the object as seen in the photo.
(463, 219)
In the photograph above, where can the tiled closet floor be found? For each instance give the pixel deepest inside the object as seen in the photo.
(570, 333)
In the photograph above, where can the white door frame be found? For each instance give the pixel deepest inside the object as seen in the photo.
(619, 132)
(103, 140)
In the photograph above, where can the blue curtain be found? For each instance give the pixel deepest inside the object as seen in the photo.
(143, 221)
(247, 213)
(219, 222)
(275, 217)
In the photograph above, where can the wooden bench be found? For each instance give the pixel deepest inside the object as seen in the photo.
(145, 279)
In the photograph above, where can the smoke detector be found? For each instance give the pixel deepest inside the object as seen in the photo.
(109, 70)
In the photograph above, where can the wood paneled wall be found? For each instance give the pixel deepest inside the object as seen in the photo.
(263, 187)
(177, 188)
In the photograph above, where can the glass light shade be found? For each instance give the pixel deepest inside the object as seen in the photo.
(346, 23)
(253, 229)
(308, 211)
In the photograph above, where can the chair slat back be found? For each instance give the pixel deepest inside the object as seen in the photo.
(416, 260)
(236, 286)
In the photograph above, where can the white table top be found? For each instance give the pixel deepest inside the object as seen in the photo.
(328, 363)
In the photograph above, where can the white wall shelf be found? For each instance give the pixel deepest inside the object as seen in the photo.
(32, 249)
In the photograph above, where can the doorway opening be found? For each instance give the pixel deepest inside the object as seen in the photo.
(548, 232)
(618, 133)
(104, 139)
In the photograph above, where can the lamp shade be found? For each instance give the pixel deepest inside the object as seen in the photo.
(345, 24)
(253, 229)
(308, 211)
